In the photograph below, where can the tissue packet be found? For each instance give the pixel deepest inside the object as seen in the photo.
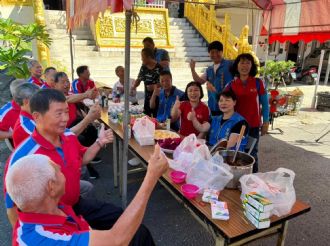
(219, 210)
(259, 202)
(260, 224)
(257, 214)
(210, 195)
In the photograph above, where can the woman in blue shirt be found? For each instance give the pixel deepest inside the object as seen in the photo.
(227, 127)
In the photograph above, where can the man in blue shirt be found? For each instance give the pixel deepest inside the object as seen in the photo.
(216, 76)
(166, 95)
(161, 55)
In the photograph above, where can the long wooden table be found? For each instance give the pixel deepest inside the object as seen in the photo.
(237, 230)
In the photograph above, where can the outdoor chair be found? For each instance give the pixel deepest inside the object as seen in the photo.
(9, 144)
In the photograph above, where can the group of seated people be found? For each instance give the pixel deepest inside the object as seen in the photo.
(45, 200)
(55, 137)
(235, 97)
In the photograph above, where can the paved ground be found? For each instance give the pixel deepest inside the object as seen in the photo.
(171, 224)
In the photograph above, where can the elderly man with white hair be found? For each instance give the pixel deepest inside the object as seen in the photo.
(36, 72)
(10, 111)
(25, 124)
(36, 185)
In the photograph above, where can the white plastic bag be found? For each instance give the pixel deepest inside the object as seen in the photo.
(206, 174)
(182, 163)
(277, 186)
(187, 153)
(187, 145)
(144, 131)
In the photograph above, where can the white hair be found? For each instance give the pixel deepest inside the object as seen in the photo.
(14, 84)
(27, 179)
(31, 63)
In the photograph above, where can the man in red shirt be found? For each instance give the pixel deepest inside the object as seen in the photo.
(76, 116)
(25, 124)
(83, 83)
(36, 72)
(37, 184)
(51, 138)
(49, 76)
(9, 112)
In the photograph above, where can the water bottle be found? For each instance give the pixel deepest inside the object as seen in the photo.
(168, 124)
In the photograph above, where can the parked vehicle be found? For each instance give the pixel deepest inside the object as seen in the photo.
(313, 59)
(307, 76)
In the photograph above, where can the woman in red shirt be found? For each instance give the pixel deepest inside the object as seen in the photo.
(252, 98)
(194, 114)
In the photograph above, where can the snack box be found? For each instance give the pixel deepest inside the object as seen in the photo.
(144, 140)
(259, 202)
(257, 214)
(219, 210)
(210, 195)
(260, 224)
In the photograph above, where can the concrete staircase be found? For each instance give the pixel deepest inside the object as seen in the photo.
(186, 45)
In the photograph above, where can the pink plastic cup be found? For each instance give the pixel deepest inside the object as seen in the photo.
(178, 177)
(190, 191)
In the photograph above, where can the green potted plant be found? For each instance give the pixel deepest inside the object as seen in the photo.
(16, 45)
(277, 72)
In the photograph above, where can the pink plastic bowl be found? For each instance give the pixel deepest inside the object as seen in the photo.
(190, 191)
(178, 177)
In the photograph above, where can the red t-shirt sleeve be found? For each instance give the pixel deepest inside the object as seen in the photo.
(206, 114)
(5, 124)
(91, 84)
(82, 149)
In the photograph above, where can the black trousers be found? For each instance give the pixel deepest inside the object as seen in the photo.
(102, 216)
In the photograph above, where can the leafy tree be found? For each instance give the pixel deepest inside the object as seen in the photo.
(17, 47)
(275, 71)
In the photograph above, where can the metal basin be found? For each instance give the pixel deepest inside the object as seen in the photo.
(243, 165)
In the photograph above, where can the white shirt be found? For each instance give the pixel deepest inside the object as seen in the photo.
(132, 99)
(215, 68)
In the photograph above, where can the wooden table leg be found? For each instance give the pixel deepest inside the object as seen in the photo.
(282, 235)
(115, 161)
(219, 241)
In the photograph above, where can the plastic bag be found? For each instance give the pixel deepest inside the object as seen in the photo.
(182, 163)
(144, 131)
(277, 186)
(187, 145)
(206, 174)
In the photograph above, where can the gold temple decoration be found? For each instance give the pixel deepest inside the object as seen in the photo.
(154, 22)
(39, 16)
(204, 19)
(16, 2)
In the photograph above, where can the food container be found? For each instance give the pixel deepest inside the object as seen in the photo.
(190, 191)
(178, 177)
(243, 165)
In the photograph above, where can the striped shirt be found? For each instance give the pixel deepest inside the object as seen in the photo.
(79, 87)
(69, 157)
(9, 114)
(47, 229)
(36, 81)
(24, 127)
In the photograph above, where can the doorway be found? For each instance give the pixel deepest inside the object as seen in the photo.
(54, 4)
(293, 52)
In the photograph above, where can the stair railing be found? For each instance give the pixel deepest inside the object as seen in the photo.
(203, 18)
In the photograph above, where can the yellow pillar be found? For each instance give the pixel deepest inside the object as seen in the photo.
(226, 34)
(39, 16)
(212, 16)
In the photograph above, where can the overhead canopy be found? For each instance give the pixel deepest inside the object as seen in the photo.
(295, 20)
(81, 11)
